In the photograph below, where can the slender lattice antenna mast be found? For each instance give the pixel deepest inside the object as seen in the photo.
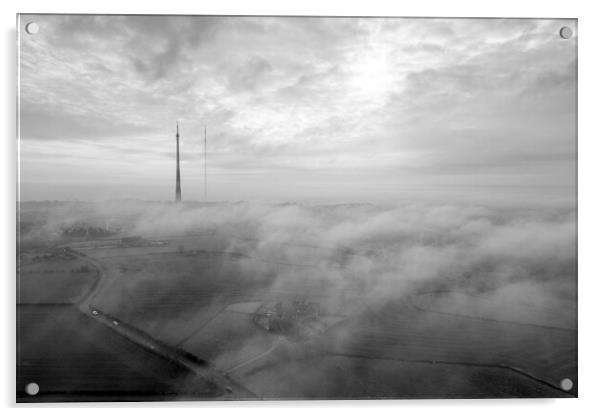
(178, 188)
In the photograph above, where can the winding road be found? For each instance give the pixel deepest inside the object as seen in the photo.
(231, 390)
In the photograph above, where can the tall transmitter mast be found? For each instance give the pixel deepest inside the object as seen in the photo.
(178, 189)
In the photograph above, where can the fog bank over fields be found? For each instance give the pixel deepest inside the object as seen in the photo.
(522, 255)
(488, 290)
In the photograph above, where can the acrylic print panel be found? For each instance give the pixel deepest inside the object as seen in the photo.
(244, 208)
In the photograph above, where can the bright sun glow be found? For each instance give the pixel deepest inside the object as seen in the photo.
(371, 75)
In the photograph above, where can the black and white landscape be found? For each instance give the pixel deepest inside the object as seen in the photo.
(369, 208)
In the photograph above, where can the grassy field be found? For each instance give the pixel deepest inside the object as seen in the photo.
(398, 331)
(336, 377)
(54, 279)
(559, 314)
(70, 356)
(170, 294)
(229, 339)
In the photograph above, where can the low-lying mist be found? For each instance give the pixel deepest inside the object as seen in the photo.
(403, 278)
(524, 255)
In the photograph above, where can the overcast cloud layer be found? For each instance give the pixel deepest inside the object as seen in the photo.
(328, 109)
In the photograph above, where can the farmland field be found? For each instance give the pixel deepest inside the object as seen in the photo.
(66, 353)
(341, 377)
(64, 280)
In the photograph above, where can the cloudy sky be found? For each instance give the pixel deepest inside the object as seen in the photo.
(306, 109)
